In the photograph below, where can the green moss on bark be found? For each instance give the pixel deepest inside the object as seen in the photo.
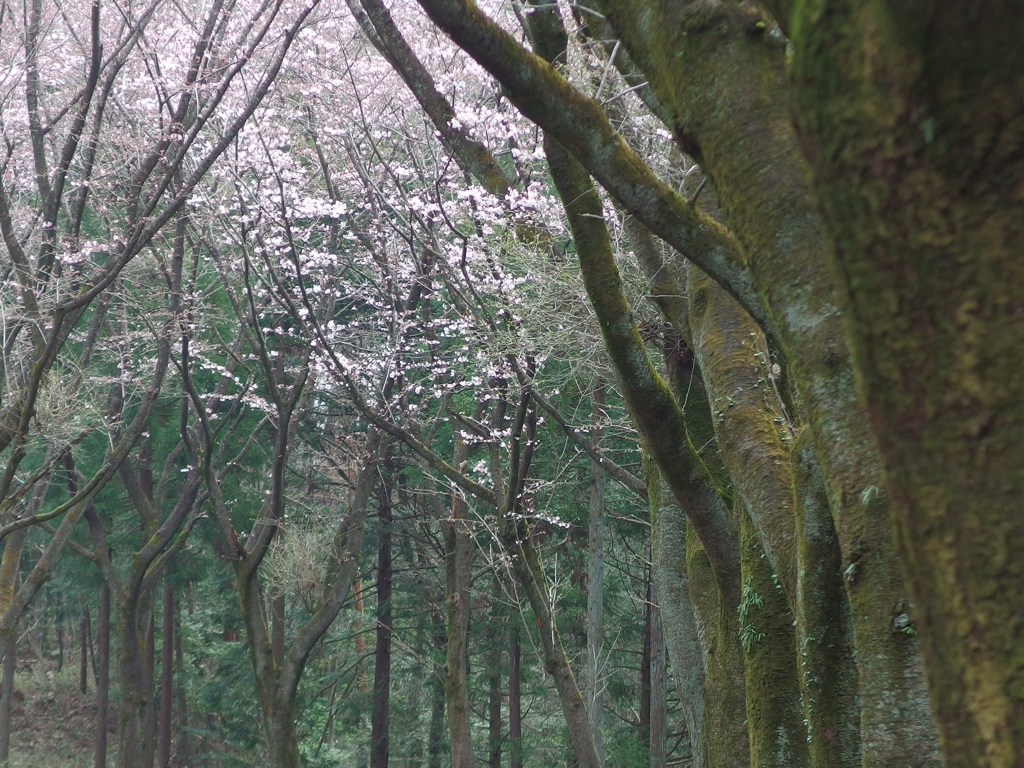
(725, 85)
(826, 657)
(727, 742)
(778, 738)
(916, 134)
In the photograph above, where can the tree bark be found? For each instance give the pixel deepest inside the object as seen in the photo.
(166, 677)
(760, 454)
(727, 740)
(102, 678)
(826, 655)
(10, 666)
(380, 701)
(644, 720)
(778, 738)
(182, 754)
(658, 727)
(150, 719)
(749, 149)
(669, 574)
(912, 123)
(60, 636)
(83, 657)
(435, 734)
(515, 700)
(494, 735)
(277, 610)
(593, 684)
(458, 552)
(135, 689)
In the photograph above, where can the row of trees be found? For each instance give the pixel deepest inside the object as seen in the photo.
(278, 273)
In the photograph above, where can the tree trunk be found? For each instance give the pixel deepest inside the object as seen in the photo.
(277, 610)
(593, 684)
(60, 637)
(136, 692)
(458, 554)
(826, 656)
(748, 147)
(102, 678)
(494, 706)
(149, 723)
(10, 665)
(515, 700)
(379, 714)
(668, 572)
(283, 740)
(364, 685)
(183, 752)
(435, 734)
(644, 729)
(529, 574)
(727, 742)
(83, 658)
(912, 122)
(658, 724)
(166, 677)
(761, 456)
(778, 738)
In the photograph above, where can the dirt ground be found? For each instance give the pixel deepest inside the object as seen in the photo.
(53, 723)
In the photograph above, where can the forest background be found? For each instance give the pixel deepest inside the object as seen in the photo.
(318, 337)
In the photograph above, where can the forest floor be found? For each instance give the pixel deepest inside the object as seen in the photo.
(53, 724)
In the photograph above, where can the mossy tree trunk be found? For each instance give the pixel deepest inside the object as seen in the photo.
(721, 77)
(719, 71)
(826, 656)
(668, 571)
(727, 742)
(778, 736)
(913, 120)
(785, 508)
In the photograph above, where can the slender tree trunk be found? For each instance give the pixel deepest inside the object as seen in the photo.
(420, 675)
(364, 685)
(515, 700)
(458, 554)
(166, 677)
(102, 678)
(530, 575)
(379, 714)
(593, 685)
(83, 659)
(644, 729)
(60, 637)
(182, 753)
(495, 688)
(826, 656)
(435, 734)
(10, 665)
(668, 572)
(277, 609)
(658, 705)
(149, 722)
(43, 614)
